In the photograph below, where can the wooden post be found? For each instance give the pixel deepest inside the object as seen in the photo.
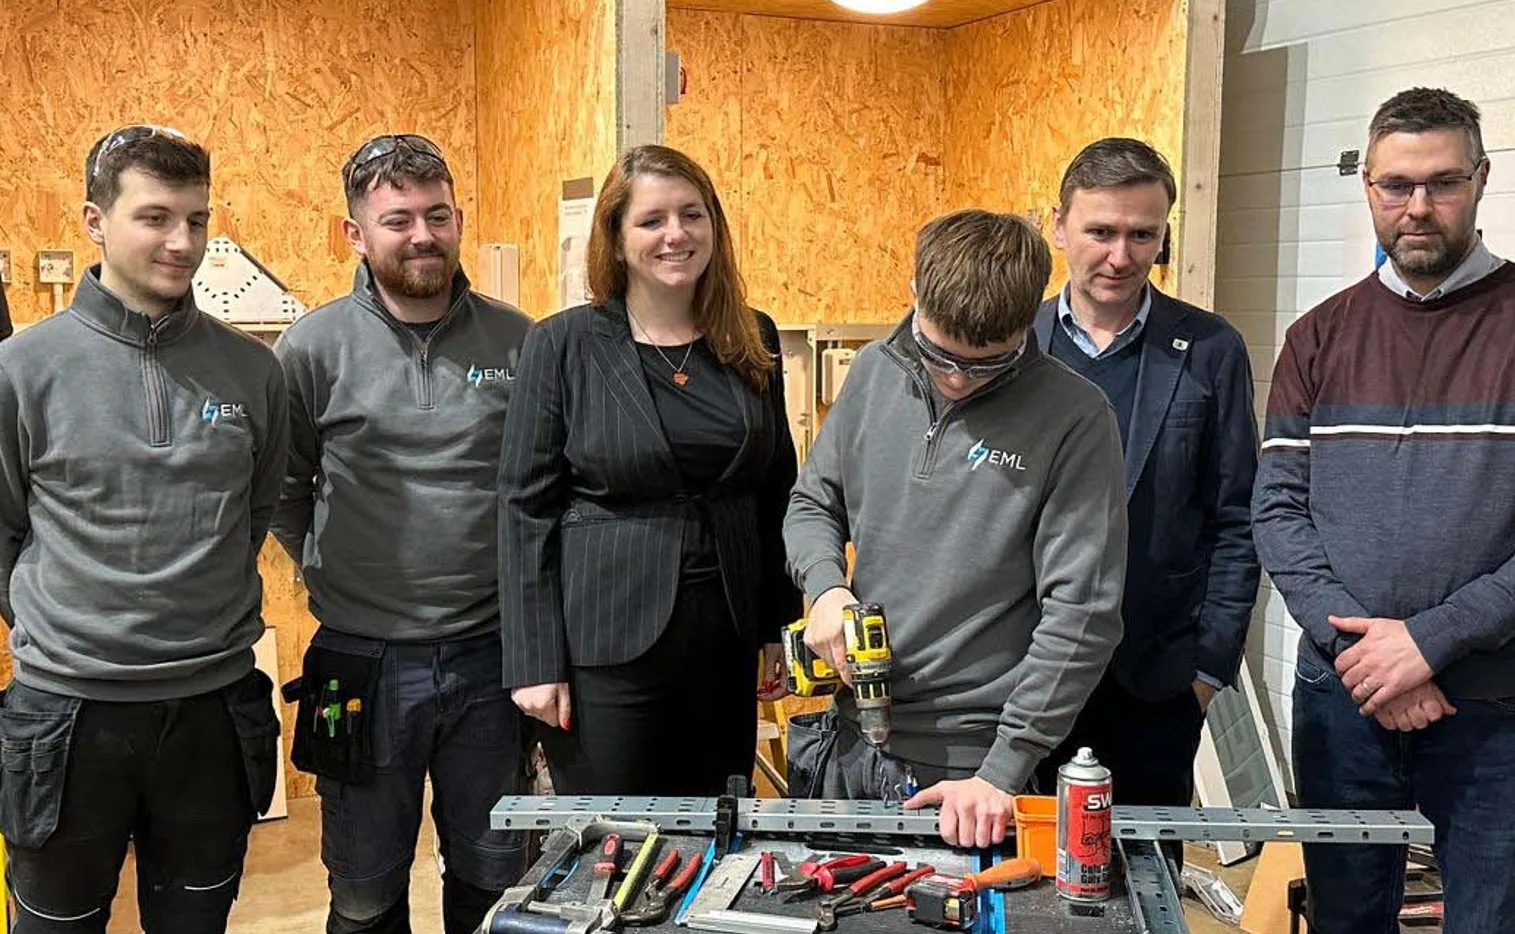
(1201, 159)
(639, 72)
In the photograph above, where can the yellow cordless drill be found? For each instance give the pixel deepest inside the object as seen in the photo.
(868, 657)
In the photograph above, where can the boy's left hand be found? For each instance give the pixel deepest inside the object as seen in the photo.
(974, 812)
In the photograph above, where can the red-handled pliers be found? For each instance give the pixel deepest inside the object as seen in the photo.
(811, 876)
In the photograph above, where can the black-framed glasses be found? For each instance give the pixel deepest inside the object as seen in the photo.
(388, 144)
(1443, 189)
(947, 363)
(128, 134)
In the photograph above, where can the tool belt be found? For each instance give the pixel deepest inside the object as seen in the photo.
(336, 693)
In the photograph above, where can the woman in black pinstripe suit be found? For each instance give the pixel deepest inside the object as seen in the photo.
(643, 483)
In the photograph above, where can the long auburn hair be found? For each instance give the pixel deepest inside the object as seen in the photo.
(720, 302)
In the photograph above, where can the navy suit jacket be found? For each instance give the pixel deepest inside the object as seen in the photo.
(1191, 457)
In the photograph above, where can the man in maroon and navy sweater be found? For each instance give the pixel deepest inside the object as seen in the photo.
(1385, 513)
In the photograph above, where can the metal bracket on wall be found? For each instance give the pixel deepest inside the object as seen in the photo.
(794, 815)
(1149, 884)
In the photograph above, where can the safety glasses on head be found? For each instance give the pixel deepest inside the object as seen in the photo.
(125, 135)
(389, 143)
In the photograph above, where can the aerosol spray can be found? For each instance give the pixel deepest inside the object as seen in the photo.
(1083, 829)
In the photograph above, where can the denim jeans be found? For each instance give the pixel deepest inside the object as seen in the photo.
(440, 708)
(1460, 773)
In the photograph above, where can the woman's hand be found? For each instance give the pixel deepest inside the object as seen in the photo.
(546, 702)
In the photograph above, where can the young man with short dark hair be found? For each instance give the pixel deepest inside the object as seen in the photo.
(1385, 514)
(142, 444)
(980, 481)
(398, 394)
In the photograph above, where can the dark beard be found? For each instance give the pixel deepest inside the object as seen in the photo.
(1437, 261)
(397, 277)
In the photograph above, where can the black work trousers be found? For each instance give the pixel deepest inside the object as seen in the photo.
(182, 779)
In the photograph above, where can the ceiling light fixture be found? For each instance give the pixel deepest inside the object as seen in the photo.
(878, 7)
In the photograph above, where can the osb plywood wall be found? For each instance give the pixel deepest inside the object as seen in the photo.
(830, 143)
(1029, 89)
(280, 90)
(546, 114)
(824, 140)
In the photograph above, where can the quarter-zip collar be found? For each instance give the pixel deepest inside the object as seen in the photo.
(103, 311)
(367, 293)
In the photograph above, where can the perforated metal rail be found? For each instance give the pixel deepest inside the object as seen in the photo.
(792, 815)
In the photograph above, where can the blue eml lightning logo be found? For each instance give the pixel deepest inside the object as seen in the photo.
(977, 454)
(213, 411)
(980, 454)
(478, 377)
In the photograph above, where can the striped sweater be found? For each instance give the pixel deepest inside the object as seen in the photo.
(1387, 480)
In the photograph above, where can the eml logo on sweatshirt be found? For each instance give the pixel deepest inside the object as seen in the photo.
(213, 411)
(478, 376)
(978, 455)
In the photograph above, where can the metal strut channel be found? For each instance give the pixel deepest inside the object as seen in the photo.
(1260, 824)
(1154, 900)
(792, 815)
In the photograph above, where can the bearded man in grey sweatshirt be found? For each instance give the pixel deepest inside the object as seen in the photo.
(981, 484)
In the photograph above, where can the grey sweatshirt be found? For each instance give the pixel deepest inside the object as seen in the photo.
(992, 530)
(389, 505)
(139, 468)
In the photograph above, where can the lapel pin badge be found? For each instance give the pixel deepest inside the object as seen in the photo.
(1180, 344)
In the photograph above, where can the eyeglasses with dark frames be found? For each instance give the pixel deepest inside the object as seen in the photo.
(1443, 189)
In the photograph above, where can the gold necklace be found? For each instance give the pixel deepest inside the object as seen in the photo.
(680, 377)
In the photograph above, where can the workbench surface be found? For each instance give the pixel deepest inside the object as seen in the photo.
(1037, 909)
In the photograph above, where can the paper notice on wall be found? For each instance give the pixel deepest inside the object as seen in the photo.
(575, 218)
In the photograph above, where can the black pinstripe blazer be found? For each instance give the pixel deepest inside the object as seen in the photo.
(593, 511)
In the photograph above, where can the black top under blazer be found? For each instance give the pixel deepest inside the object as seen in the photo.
(593, 511)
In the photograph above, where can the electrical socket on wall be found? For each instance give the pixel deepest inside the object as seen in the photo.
(5, 267)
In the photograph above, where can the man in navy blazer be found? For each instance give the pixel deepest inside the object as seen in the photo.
(1181, 386)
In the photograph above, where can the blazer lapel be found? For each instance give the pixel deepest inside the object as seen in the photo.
(1045, 316)
(615, 356)
(751, 405)
(1165, 348)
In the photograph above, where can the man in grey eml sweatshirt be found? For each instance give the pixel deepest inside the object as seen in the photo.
(141, 448)
(397, 395)
(981, 483)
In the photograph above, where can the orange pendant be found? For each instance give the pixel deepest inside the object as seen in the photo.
(680, 378)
